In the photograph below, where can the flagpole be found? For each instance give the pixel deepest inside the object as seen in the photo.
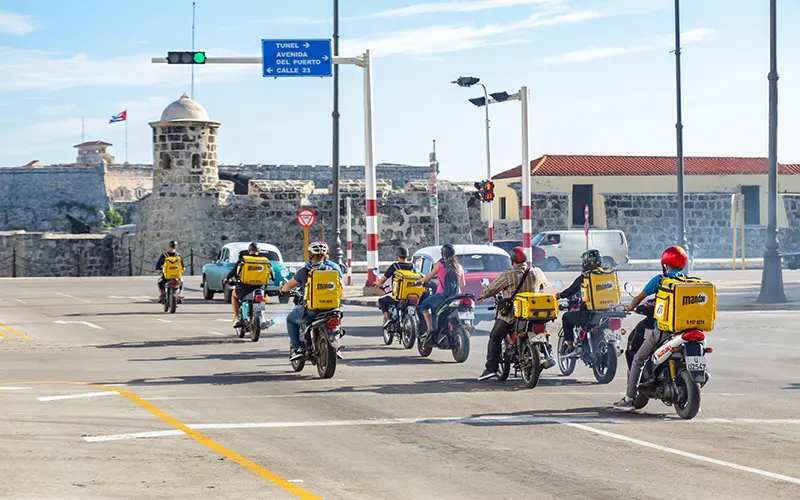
(126, 137)
(83, 130)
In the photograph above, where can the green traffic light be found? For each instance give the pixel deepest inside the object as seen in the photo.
(199, 58)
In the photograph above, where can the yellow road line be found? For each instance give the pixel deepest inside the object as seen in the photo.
(18, 334)
(7, 336)
(200, 438)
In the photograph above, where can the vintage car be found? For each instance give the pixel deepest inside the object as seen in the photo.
(215, 272)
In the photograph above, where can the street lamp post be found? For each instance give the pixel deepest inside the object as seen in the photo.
(772, 274)
(337, 233)
(679, 129)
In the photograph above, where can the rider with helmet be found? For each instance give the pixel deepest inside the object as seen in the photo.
(299, 316)
(507, 284)
(673, 261)
(241, 289)
(591, 260)
(328, 261)
(386, 302)
(450, 277)
(172, 252)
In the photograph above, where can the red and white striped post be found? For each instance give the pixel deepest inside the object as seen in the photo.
(372, 202)
(527, 223)
(349, 240)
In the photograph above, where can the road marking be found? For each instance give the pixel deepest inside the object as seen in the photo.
(776, 421)
(220, 334)
(779, 346)
(7, 336)
(163, 320)
(686, 454)
(91, 325)
(79, 396)
(21, 301)
(182, 428)
(73, 298)
(227, 320)
(15, 332)
(11, 388)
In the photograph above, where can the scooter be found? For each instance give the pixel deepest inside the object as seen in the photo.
(452, 322)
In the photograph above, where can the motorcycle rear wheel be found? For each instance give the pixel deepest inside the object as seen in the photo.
(565, 365)
(326, 362)
(173, 302)
(605, 365)
(688, 410)
(255, 333)
(408, 331)
(505, 362)
(460, 347)
(388, 336)
(530, 365)
(422, 349)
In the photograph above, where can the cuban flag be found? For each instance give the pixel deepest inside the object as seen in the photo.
(119, 118)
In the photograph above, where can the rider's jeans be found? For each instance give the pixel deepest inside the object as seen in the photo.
(295, 321)
(651, 338)
(494, 347)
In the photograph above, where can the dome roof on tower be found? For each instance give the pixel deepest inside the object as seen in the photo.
(184, 109)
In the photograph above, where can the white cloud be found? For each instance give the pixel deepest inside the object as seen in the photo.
(656, 43)
(459, 6)
(293, 20)
(15, 24)
(32, 71)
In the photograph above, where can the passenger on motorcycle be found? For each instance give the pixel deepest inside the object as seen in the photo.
(172, 251)
(673, 261)
(506, 284)
(241, 289)
(591, 259)
(386, 302)
(299, 315)
(450, 279)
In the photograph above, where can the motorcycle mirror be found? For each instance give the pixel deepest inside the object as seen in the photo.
(559, 285)
(285, 272)
(628, 287)
(292, 270)
(485, 282)
(376, 271)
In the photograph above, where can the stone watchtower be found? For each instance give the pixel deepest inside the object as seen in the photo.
(185, 147)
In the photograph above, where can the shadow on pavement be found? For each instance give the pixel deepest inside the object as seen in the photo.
(232, 378)
(174, 342)
(793, 385)
(588, 413)
(237, 356)
(392, 361)
(141, 313)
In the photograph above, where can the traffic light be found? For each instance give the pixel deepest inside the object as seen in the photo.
(467, 81)
(488, 191)
(186, 57)
(480, 193)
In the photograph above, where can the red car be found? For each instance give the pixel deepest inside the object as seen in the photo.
(539, 254)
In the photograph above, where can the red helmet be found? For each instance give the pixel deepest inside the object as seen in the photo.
(518, 255)
(674, 256)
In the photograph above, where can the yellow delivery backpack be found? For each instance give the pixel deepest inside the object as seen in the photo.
(255, 270)
(173, 268)
(403, 285)
(323, 290)
(600, 289)
(683, 303)
(532, 305)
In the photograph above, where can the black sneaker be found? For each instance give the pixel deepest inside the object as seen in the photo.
(296, 354)
(487, 374)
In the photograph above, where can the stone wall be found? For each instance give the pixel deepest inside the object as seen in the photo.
(38, 199)
(549, 210)
(128, 183)
(321, 175)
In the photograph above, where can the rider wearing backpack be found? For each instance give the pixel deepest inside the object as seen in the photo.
(450, 279)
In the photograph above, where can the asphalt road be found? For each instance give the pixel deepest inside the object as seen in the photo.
(186, 411)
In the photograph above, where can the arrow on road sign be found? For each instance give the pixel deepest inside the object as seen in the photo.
(269, 70)
(306, 45)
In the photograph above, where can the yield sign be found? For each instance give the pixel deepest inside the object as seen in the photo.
(306, 217)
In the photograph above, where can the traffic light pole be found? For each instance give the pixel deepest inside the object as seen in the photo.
(527, 222)
(490, 211)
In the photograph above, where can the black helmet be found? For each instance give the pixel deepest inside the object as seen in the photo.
(401, 251)
(252, 247)
(591, 259)
(173, 244)
(448, 251)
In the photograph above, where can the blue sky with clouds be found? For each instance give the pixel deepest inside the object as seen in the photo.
(600, 73)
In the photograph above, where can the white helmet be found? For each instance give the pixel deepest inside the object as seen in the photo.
(317, 248)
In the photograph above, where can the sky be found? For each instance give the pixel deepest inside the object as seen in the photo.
(601, 77)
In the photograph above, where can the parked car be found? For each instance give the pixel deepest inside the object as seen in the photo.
(478, 261)
(564, 248)
(538, 253)
(792, 260)
(215, 272)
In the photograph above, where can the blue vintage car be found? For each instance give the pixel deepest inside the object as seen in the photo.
(215, 272)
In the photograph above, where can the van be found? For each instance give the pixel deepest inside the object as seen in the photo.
(564, 248)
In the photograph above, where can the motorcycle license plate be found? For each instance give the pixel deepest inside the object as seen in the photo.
(258, 306)
(696, 363)
(612, 335)
(466, 315)
(539, 337)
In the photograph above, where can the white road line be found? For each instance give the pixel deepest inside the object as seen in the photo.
(91, 325)
(779, 346)
(79, 396)
(133, 435)
(776, 421)
(686, 454)
(21, 301)
(227, 320)
(163, 320)
(8, 388)
(73, 298)
(131, 297)
(220, 334)
(751, 313)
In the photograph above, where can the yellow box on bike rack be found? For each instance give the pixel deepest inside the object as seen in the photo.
(323, 290)
(684, 303)
(600, 289)
(404, 287)
(532, 305)
(173, 268)
(255, 271)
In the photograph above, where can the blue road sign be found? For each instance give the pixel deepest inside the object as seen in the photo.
(284, 58)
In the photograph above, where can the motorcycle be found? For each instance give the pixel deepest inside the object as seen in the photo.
(452, 322)
(527, 348)
(597, 343)
(252, 311)
(320, 340)
(402, 323)
(676, 372)
(172, 297)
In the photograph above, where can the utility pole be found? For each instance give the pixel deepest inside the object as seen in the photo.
(772, 274)
(679, 128)
(337, 233)
(193, 12)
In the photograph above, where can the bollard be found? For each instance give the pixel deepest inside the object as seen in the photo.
(191, 261)
(130, 261)
(14, 263)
